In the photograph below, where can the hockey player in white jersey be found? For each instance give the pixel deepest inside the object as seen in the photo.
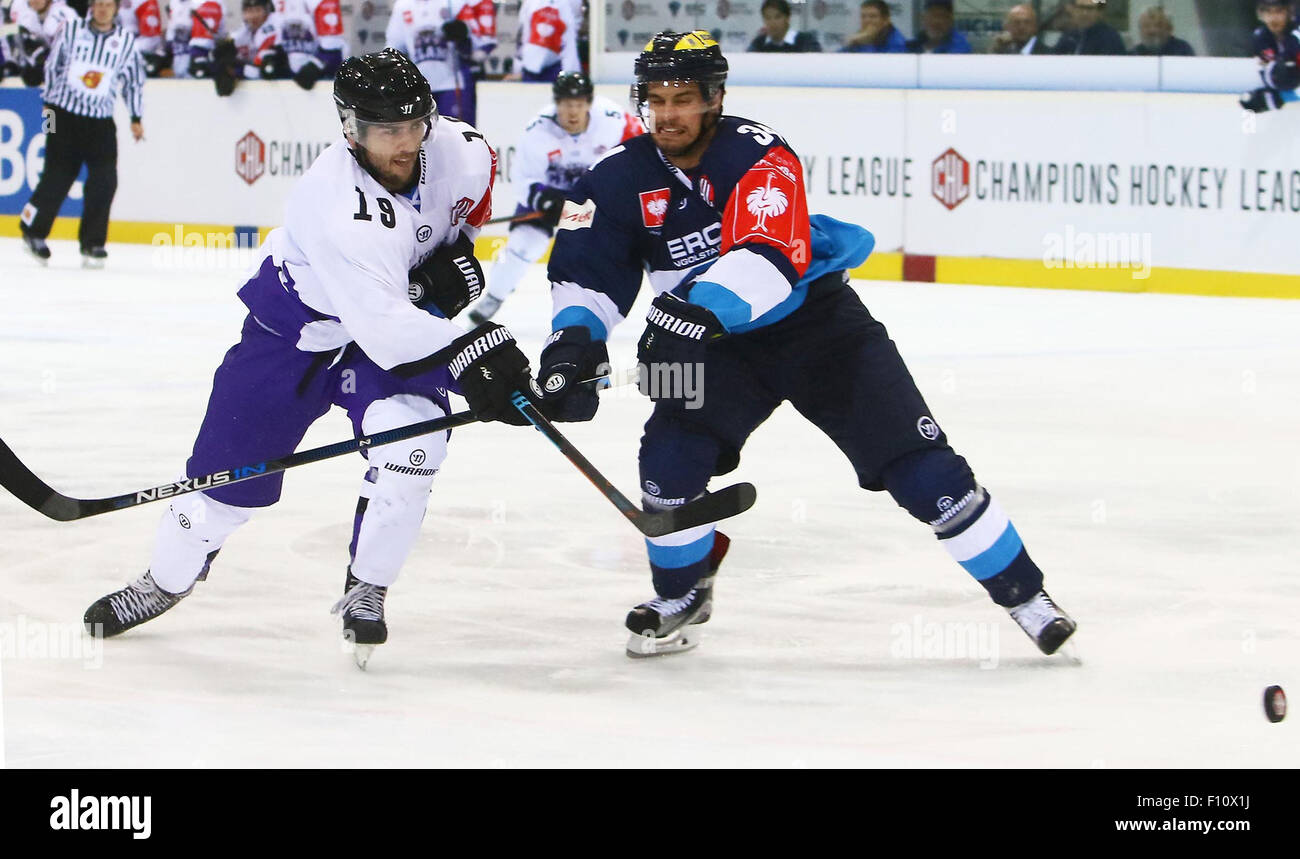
(558, 146)
(548, 39)
(38, 23)
(312, 34)
(438, 35)
(259, 51)
(208, 27)
(350, 306)
(143, 18)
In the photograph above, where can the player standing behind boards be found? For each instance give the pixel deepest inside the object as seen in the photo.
(548, 39)
(752, 292)
(143, 19)
(350, 306)
(313, 38)
(89, 61)
(1277, 45)
(560, 143)
(38, 22)
(437, 36)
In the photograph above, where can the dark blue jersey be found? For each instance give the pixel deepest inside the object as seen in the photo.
(734, 235)
(1269, 47)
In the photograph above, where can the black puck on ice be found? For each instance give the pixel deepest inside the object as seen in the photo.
(1275, 703)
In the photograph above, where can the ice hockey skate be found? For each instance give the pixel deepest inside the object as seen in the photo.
(486, 309)
(93, 257)
(1044, 622)
(34, 246)
(134, 604)
(362, 607)
(661, 626)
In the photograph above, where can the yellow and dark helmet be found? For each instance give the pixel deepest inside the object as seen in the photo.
(671, 56)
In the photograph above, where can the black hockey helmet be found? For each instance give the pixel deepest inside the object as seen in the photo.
(572, 85)
(670, 56)
(380, 88)
(251, 4)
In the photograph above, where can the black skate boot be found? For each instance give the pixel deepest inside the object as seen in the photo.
(1044, 622)
(34, 246)
(362, 607)
(661, 625)
(93, 257)
(131, 606)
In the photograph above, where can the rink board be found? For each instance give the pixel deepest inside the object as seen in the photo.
(1128, 192)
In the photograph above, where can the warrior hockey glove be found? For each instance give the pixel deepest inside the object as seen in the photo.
(489, 368)
(275, 64)
(1281, 75)
(548, 201)
(449, 281)
(571, 356)
(307, 76)
(676, 332)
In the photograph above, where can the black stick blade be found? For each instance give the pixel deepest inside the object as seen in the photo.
(723, 504)
(32, 491)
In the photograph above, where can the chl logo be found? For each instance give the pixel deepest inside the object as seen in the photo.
(926, 426)
(250, 158)
(950, 179)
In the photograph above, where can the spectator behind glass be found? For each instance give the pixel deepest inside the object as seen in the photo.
(1158, 40)
(1019, 33)
(776, 34)
(1090, 36)
(938, 35)
(878, 34)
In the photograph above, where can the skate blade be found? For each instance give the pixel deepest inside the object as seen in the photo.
(361, 654)
(92, 263)
(646, 646)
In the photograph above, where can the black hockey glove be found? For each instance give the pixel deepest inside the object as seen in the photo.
(489, 368)
(449, 281)
(32, 75)
(275, 65)
(201, 67)
(1281, 75)
(307, 76)
(676, 332)
(155, 63)
(548, 201)
(571, 356)
(457, 31)
(1262, 100)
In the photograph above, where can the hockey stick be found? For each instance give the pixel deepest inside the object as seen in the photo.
(514, 219)
(36, 494)
(723, 504)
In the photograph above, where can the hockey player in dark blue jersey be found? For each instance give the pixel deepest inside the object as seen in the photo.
(751, 291)
(1276, 43)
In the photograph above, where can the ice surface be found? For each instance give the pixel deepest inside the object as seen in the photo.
(1144, 446)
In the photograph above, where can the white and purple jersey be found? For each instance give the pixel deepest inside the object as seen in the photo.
(548, 34)
(415, 29)
(551, 157)
(343, 255)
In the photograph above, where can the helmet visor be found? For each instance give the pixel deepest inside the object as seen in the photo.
(389, 134)
(668, 103)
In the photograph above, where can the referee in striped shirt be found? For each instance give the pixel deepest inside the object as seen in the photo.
(88, 62)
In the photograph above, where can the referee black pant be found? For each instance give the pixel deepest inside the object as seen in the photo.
(74, 140)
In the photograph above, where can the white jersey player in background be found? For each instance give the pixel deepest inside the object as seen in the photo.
(548, 39)
(559, 144)
(350, 306)
(443, 37)
(312, 34)
(39, 22)
(144, 19)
